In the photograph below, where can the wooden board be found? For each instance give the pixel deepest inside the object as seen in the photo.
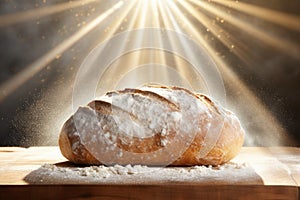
(274, 173)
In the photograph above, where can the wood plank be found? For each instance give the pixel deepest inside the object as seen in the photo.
(17, 162)
(274, 173)
(274, 164)
(290, 157)
(145, 192)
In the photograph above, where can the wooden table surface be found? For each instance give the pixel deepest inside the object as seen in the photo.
(277, 170)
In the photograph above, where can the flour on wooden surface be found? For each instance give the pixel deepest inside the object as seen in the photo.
(230, 173)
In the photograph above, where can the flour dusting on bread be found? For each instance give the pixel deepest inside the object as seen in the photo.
(152, 125)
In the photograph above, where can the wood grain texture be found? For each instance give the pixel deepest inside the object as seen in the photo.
(277, 167)
(144, 192)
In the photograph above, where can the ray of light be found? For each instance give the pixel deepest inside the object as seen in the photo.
(12, 84)
(176, 62)
(118, 22)
(170, 19)
(60, 112)
(277, 42)
(129, 11)
(154, 14)
(282, 19)
(161, 56)
(229, 42)
(141, 22)
(167, 18)
(112, 69)
(14, 18)
(133, 14)
(230, 76)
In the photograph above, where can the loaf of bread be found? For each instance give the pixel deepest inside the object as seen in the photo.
(152, 125)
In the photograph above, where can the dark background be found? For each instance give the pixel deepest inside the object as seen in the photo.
(29, 116)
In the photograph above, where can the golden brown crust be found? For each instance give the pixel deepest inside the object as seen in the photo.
(67, 138)
(227, 144)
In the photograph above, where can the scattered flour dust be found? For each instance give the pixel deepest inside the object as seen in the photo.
(230, 173)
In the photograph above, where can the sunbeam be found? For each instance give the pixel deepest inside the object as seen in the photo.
(10, 19)
(267, 37)
(118, 23)
(230, 76)
(159, 56)
(152, 40)
(169, 22)
(133, 15)
(282, 19)
(12, 84)
(216, 30)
